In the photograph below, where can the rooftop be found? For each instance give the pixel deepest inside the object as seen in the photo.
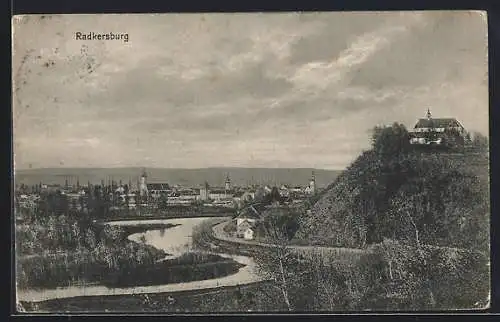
(158, 186)
(440, 123)
(219, 191)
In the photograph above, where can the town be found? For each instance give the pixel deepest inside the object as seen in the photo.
(146, 199)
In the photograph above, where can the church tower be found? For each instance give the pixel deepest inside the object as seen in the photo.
(143, 186)
(429, 115)
(227, 185)
(312, 184)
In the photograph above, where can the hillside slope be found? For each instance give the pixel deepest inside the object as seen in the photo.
(433, 197)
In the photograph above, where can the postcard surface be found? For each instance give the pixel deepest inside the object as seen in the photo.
(251, 162)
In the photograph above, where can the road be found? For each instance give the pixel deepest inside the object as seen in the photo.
(220, 234)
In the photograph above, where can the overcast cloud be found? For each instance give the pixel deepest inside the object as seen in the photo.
(272, 90)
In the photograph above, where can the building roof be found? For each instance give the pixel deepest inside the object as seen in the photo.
(245, 225)
(440, 123)
(219, 191)
(187, 193)
(158, 186)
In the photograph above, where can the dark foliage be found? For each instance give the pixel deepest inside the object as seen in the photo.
(392, 190)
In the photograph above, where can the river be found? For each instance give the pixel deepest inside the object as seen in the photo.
(174, 241)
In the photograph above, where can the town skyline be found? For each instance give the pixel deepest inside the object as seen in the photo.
(238, 90)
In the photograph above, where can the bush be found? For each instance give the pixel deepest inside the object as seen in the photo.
(430, 277)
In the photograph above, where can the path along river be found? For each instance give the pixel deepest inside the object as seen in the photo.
(174, 241)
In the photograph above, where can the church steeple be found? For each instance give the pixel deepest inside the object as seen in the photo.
(312, 183)
(143, 186)
(228, 183)
(429, 115)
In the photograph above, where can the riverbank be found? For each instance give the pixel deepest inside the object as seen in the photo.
(173, 243)
(122, 258)
(251, 297)
(171, 212)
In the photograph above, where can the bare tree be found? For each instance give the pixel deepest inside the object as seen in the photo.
(279, 261)
(412, 210)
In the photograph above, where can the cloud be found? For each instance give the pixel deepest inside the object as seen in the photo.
(437, 50)
(323, 74)
(299, 89)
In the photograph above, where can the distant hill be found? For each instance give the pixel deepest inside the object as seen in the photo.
(396, 192)
(185, 177)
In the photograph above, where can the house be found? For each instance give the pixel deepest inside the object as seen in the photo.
(296, 189)
(243, 227)
(309, 190)
(157, 189)
(249, 234)
(189, 195)
(242, 220)
(284, 191)
(120, 190)
(227, 203)
(437, 131)
(218, 194)
(131, 199)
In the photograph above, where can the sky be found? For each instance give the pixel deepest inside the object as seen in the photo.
(238, 90)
